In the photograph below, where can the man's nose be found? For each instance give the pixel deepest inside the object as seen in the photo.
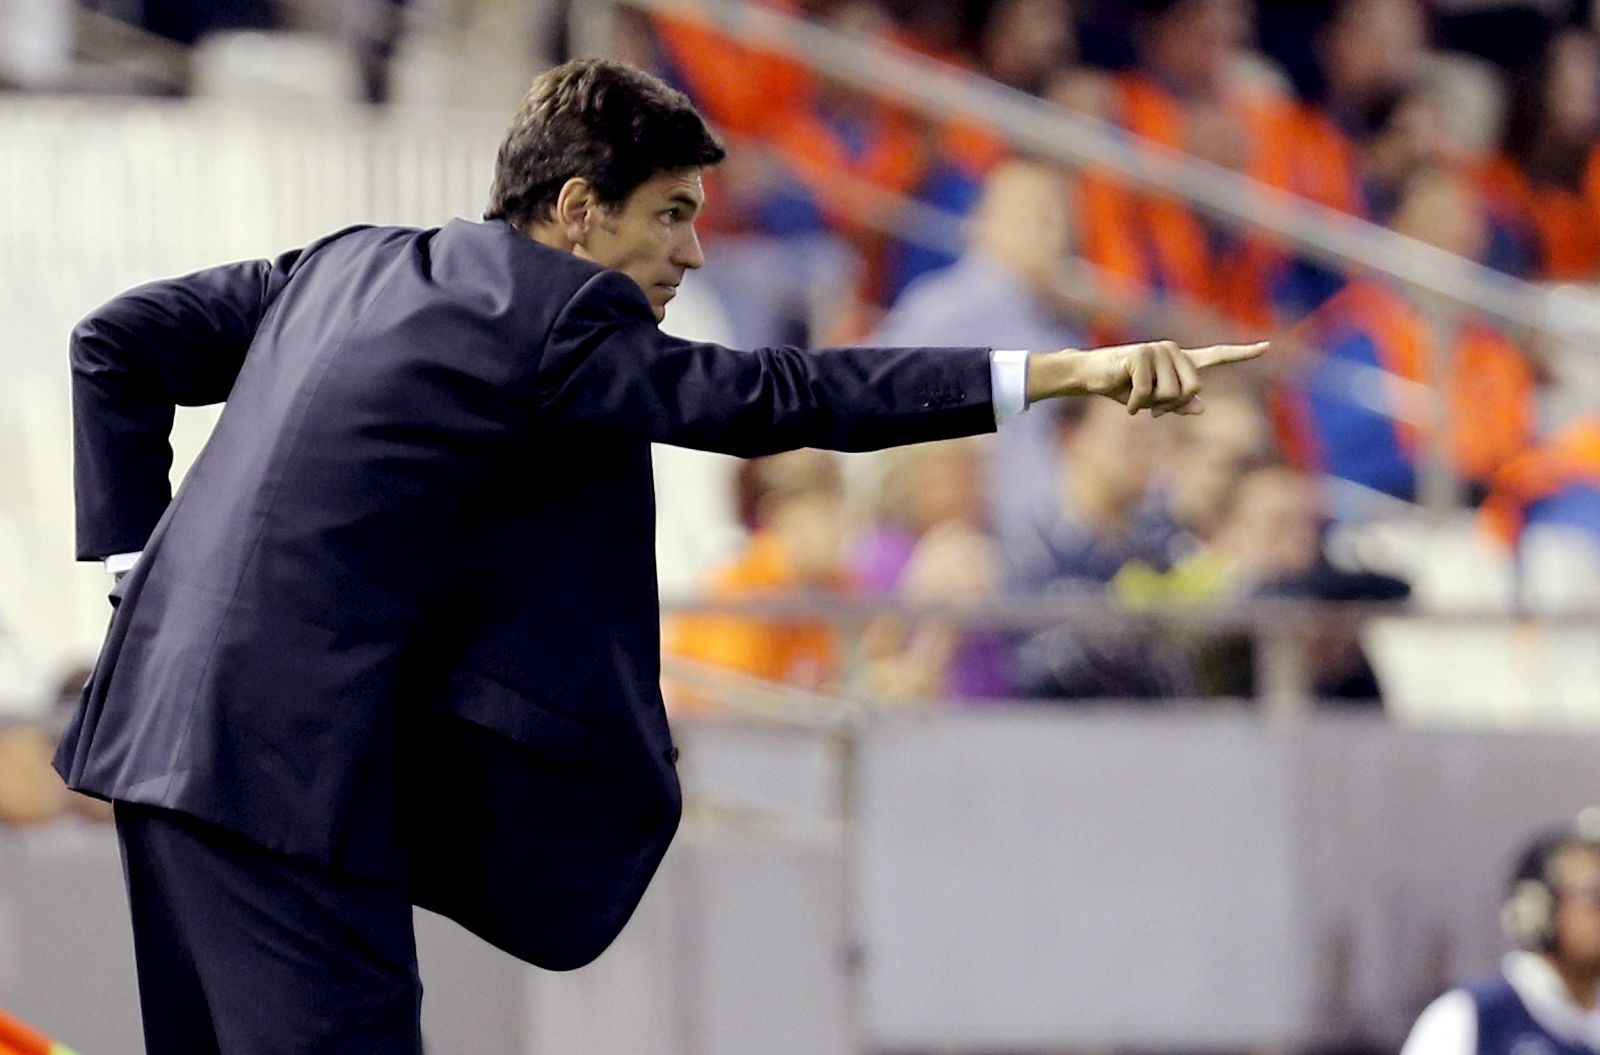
(687, 252)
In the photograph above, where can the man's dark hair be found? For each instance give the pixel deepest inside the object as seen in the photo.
(599, 120)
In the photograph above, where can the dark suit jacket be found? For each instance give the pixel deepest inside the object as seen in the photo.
(401, 617)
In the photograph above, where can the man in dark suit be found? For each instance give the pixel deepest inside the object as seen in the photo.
(394, 640)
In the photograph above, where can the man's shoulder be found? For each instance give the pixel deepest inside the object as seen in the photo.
(493, 257)
(461, 239)
(489, 265)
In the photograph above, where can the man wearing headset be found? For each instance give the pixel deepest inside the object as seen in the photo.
(1543, 999)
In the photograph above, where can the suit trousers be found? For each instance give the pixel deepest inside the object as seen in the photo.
(242, 951)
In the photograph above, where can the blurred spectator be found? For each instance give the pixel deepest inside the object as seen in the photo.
(878, 148)
(1213, 450)
(1268, 536)
(794, 505)
(1019, 43)
(802, 256)
(1266, 541)
(1100, 514)
(1097, 519)
(1545, 996)
(1370, 50)
(928, 545)
(1189, 92)
(1002, 290)
(1334, 425)
(1546, 183)
(1192, 90)
(30, 791)
(1178, 96)
(1002, 293)
(1408, 137)
(1431, 123)
(1545, 505)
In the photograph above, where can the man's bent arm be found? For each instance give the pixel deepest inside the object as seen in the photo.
(179, 342)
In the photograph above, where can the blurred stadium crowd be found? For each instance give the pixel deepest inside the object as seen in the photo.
(1472, 132)
(843, 216)
(1393, 454)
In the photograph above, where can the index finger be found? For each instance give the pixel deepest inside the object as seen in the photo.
(1218, 354)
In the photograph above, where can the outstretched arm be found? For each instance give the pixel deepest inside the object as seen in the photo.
(179, 342)
(606, 367)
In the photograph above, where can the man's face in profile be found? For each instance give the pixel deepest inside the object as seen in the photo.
(650, 237)
(1575, 875)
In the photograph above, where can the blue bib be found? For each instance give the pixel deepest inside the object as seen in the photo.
(1506, 1028)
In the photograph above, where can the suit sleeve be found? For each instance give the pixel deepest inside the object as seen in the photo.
(179, 342)
(608, 368)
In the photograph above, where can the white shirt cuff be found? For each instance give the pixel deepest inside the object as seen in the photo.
(118, 563)
(1008, 380)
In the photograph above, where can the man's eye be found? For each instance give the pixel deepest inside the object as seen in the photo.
(672, 215)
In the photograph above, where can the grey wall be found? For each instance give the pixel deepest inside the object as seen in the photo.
(1146, 880)
(1030, 880)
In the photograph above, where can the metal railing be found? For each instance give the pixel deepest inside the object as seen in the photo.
(1285, 634)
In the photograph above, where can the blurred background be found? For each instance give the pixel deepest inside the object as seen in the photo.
(1213, 734)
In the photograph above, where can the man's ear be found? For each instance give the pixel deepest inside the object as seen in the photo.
(577, 209)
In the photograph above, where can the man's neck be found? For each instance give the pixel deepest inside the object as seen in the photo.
(548, 234)
(1581, 982)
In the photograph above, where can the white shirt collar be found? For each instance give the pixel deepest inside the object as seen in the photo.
(1545, 996)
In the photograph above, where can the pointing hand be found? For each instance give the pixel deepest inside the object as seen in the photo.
(1157, 376)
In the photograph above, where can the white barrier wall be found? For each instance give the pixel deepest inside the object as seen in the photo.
(1039, 880)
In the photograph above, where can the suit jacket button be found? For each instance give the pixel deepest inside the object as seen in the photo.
(671, 754)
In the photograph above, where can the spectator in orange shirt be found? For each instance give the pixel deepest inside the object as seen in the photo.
(1490, 389)
(1369, 50)
(794, 504)
(1187, 93)
(1022, 44)
(1546, 184)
